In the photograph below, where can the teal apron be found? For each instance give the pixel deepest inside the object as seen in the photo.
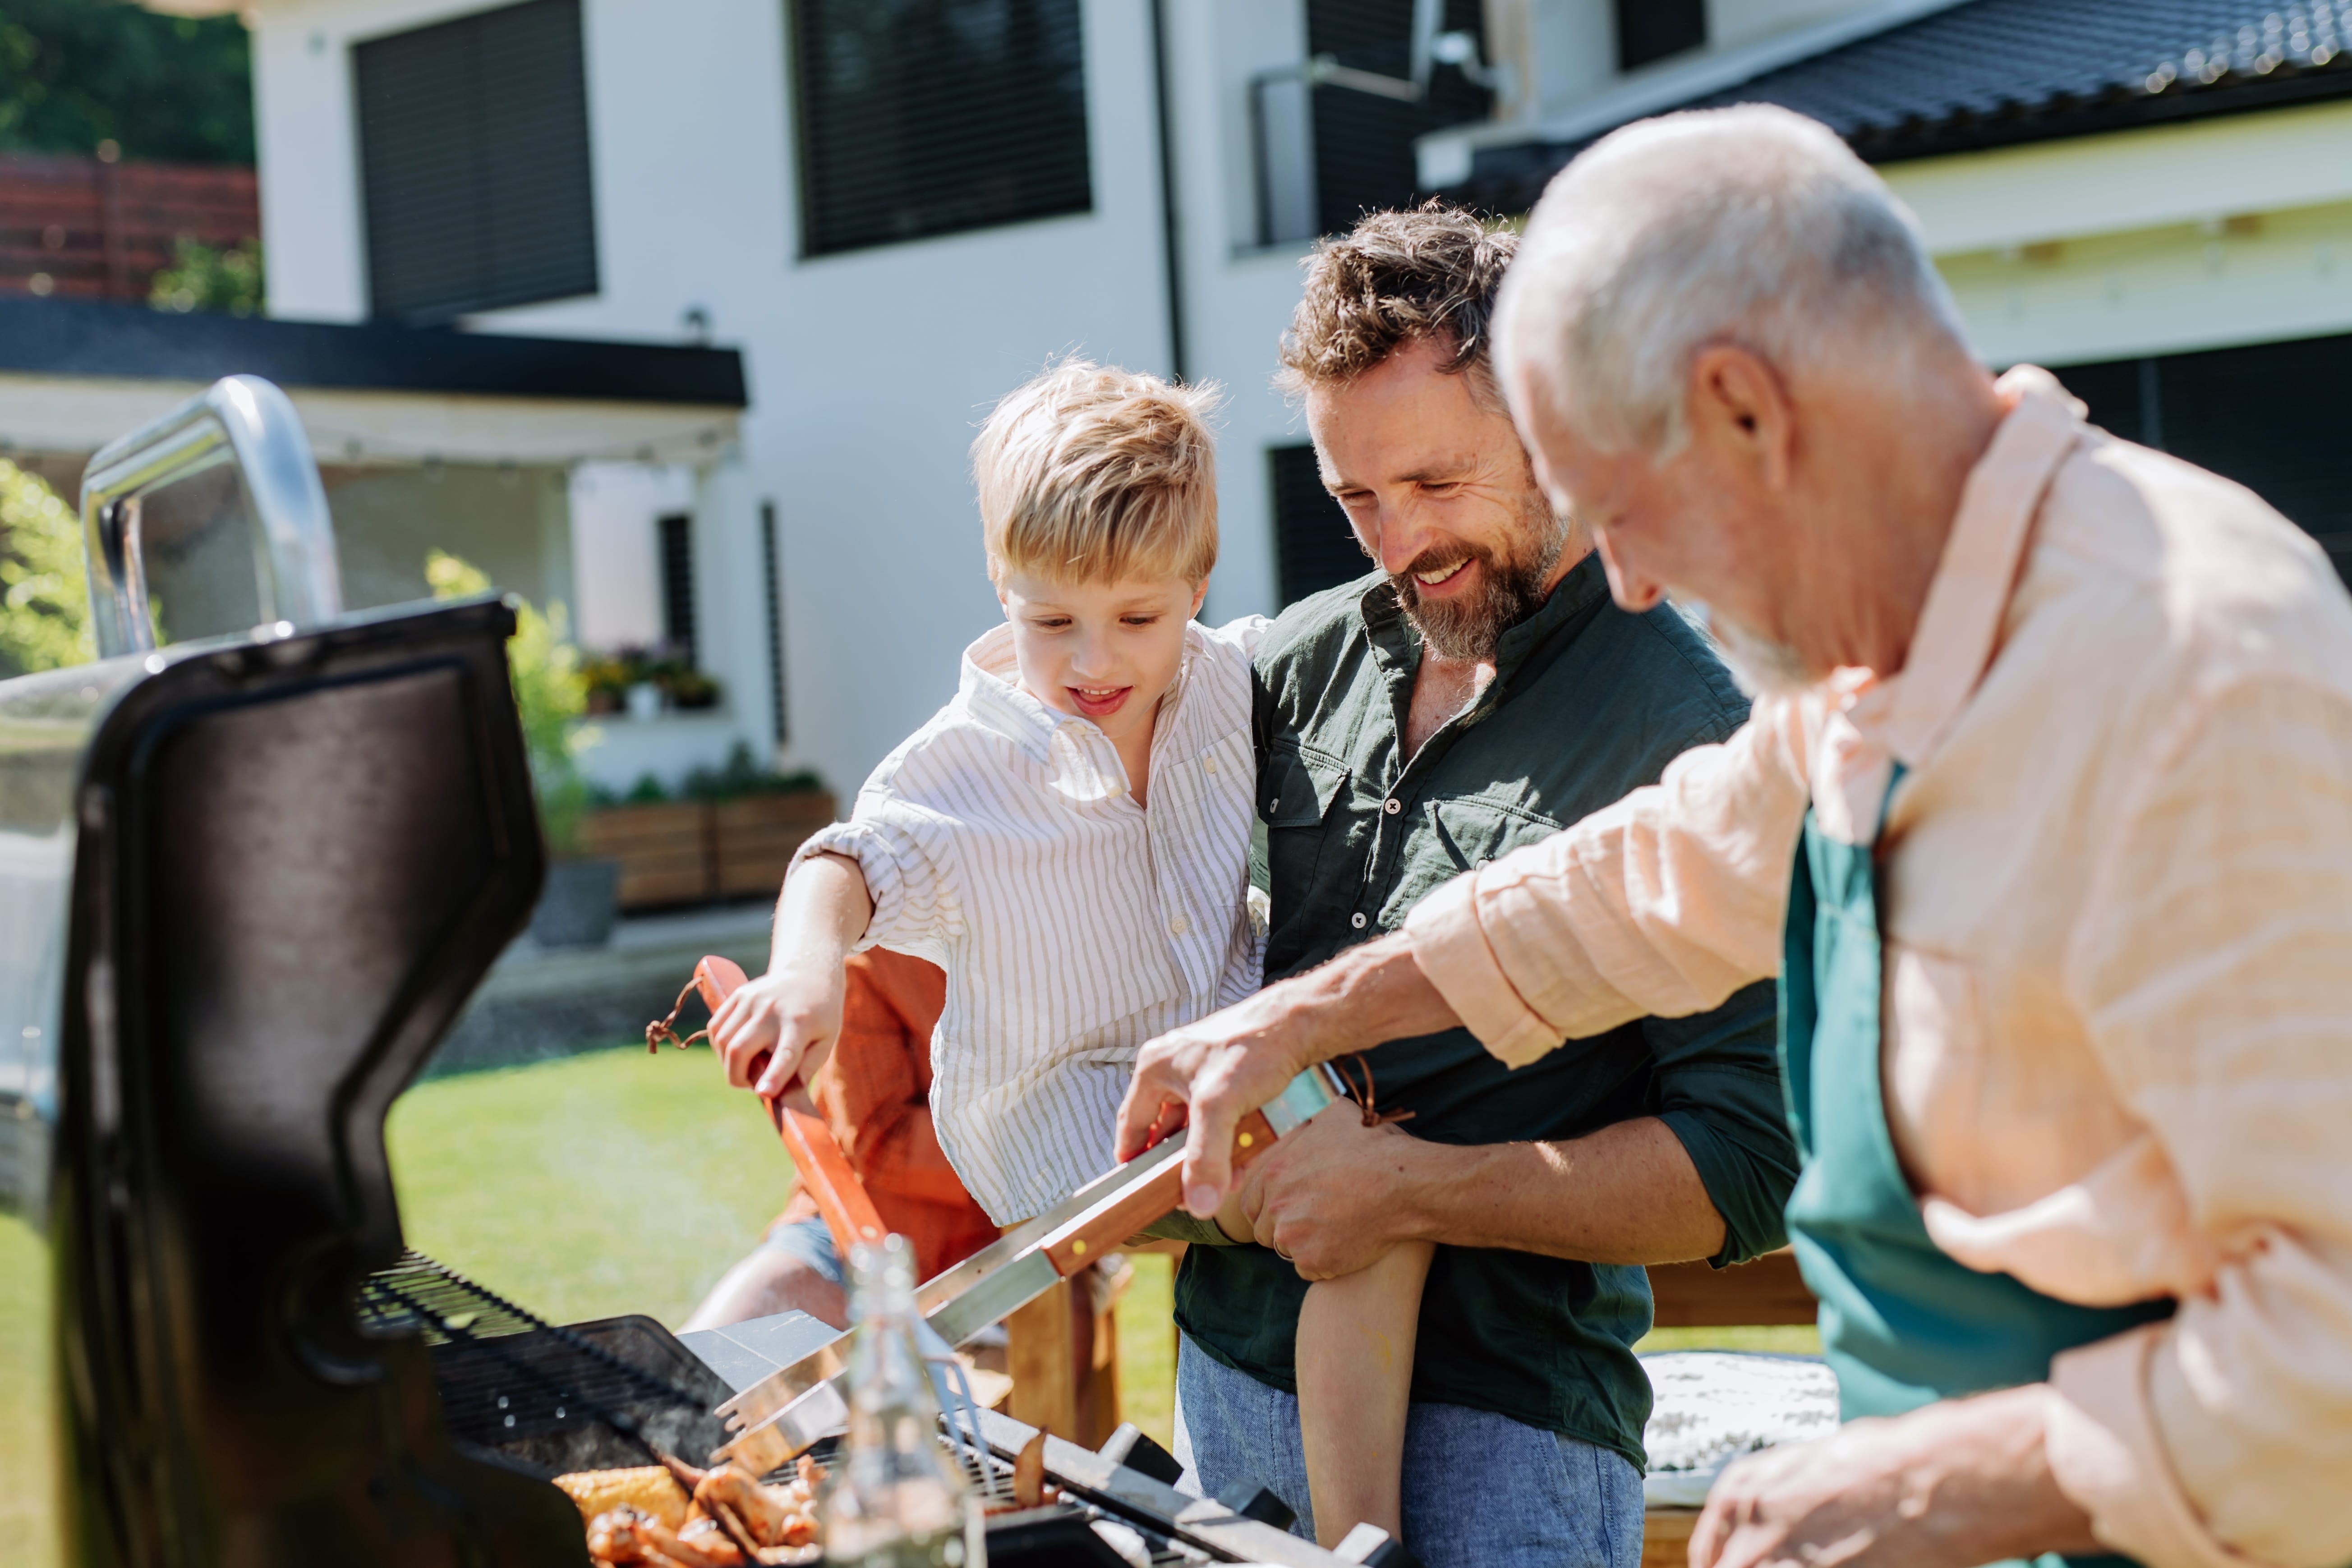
(1902, 1323)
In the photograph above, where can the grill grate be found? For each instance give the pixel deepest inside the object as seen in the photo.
(562, 1399)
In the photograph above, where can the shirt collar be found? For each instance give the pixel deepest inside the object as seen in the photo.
(1968, 600)
(1083, 762)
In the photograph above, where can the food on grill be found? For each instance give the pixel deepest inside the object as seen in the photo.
(728, 1519)
(1029, 1473)
(650, 1490)
(770, 1516)
(702, 1544)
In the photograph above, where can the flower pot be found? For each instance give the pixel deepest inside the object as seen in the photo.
(577, 906)
(645, 701)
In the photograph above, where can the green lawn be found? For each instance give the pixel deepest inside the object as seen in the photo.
(605, 1182)
(1788, 1339)
(27, 1482)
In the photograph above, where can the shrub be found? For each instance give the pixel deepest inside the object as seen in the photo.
(44, 596)
(550, 697)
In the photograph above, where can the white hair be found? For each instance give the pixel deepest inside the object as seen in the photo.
(1752, 225)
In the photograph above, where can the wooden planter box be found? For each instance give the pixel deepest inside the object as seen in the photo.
(753, 838)
(692, 852)
(664, 851)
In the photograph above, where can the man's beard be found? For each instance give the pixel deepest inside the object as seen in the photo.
(1510, 587)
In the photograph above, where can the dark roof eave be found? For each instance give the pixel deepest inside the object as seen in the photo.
(49, 337)
(1510, 178)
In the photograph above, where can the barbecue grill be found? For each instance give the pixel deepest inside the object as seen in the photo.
(245, 886)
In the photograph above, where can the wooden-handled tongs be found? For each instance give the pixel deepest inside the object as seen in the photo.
(776, 1419)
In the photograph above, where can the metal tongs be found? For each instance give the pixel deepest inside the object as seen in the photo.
(774, 1421)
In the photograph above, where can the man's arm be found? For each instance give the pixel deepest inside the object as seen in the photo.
(1705, 1178)
(1663, 904)
(1336, 1195)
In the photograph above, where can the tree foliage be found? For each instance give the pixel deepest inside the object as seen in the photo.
(207, 278)
(44, 596)
(74, 73)
(550, 697)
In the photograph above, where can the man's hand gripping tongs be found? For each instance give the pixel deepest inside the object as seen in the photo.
(774, 1420)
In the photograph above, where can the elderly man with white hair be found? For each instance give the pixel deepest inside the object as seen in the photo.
(2043, 818)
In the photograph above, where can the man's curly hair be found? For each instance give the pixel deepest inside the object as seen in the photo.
(1430, 271)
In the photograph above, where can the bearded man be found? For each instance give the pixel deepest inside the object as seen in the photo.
(1474, 694)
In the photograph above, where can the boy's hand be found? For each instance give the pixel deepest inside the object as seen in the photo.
(792, 1014)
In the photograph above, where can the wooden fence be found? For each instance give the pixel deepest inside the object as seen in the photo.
(87, 229)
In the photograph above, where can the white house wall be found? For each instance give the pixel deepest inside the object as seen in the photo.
(869, 371)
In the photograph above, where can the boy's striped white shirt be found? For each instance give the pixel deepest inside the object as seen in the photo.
(999, 842)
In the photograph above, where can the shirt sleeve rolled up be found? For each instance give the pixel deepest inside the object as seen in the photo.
(1662, 905)
(905, 856)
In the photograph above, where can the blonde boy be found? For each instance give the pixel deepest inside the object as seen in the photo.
(1069, 836)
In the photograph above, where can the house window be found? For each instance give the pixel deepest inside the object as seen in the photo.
(1364, 142)
(474, 163)
(1651, 29)
(677, 586)
(1313, 547)
(926, 116)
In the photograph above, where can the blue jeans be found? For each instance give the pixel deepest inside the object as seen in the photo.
(810, 1243)
(1481, 1491)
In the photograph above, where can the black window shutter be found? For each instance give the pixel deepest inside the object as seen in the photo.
(1313, 547)
(927, 117)
(1364, 158)
(474, 163)
(1651, 29)
(678, 586)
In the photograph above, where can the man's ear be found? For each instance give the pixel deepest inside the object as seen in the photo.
(1200, 598)
(1738, 402)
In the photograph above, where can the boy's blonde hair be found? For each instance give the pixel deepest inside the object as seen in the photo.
(1092, 474)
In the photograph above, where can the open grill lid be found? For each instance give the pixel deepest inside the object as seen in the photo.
(295, 860)
(248, 883)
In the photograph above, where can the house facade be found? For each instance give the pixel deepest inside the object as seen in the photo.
(898, 209)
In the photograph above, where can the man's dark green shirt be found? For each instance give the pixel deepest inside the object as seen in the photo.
(1588, 703)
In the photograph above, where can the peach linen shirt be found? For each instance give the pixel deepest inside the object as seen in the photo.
(2116, 1048)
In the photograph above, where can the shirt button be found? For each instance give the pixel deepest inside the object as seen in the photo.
(1357, 920)
(1393, 805)
(1178, 925)
(1213, 767)
(1275, 805)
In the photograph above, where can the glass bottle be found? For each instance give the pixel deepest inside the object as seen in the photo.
(893, 1498)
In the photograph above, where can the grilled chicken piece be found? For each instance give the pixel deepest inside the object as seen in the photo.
(701, 1544)
(764, 1511)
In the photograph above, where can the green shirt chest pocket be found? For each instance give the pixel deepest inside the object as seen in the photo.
(1295, 791)
(1454, 836)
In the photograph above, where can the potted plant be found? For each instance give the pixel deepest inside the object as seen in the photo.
(577, 906)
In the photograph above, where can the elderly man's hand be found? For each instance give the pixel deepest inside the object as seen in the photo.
(1332, 1196)
(1216, 1071)
(1953, 1485)
(1213, 1073)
